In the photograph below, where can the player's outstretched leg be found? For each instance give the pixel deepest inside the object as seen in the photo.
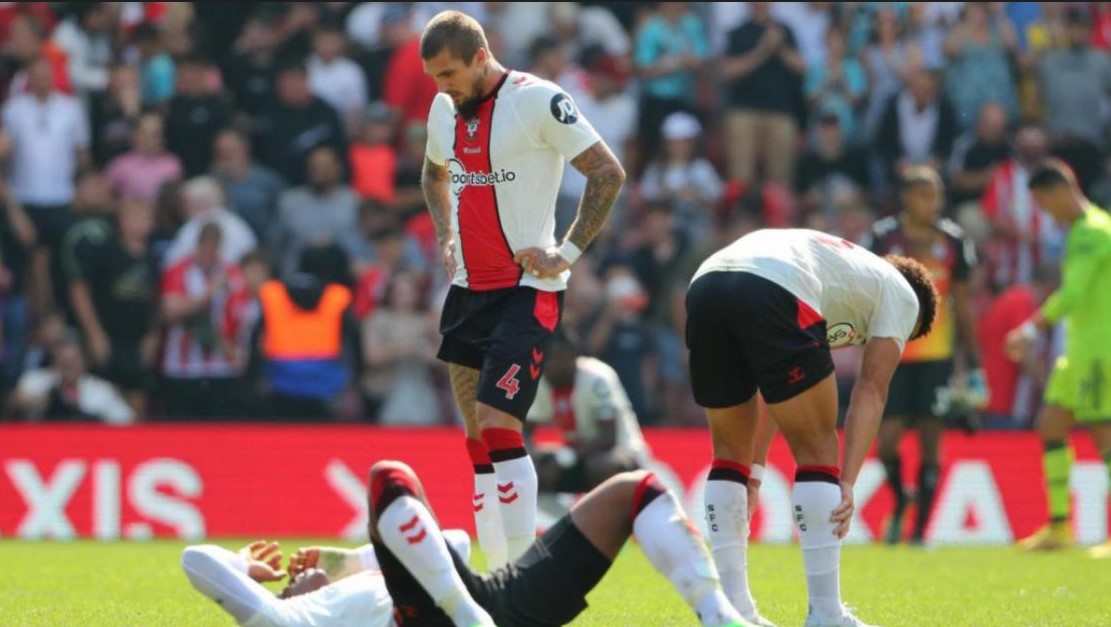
(636, 502)
(401, 520)
(891, 432)
(1053, 427)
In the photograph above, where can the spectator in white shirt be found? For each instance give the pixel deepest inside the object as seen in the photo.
(66, 391)
(334, 78)
(49, 142)
(86, 38)
(204, 202)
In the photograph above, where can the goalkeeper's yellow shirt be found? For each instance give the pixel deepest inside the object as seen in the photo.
(1084, 298)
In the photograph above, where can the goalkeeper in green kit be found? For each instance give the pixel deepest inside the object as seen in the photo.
(1079, 388)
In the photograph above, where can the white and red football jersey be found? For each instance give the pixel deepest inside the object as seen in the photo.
(185, 355)
(859, 294)
(506, 164)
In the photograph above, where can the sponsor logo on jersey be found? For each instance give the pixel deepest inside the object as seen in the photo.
(563, 110)
(461, 178)
(841, 334)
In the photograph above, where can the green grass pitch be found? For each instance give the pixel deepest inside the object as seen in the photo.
(90, 584)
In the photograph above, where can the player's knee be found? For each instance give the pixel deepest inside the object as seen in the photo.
(491, 418)
(198, 558)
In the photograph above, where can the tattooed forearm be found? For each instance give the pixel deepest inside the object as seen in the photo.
(604, 178)
(435, 181)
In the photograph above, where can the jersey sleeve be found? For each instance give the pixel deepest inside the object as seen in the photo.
(1084, 256)
(895, 315)
(438, 119)
(561, 125)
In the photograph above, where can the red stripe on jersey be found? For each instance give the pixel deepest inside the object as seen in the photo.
(486, 253)
(546, 310)
(807, 317)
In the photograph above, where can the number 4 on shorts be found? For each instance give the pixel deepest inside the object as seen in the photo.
(509, 382)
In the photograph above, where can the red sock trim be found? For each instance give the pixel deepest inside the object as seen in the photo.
(829, 470)
(728, 465)
(476, 449)
(646, 491)
(501, 439)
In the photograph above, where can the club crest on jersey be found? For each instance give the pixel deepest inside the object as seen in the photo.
(471, 127)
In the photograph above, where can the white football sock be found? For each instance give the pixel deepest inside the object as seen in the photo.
(814, 501)
(672, 544)
(487, 520)
(409, 530)
(726, 503)
(516, 488)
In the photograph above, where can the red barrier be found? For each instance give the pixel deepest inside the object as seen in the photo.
(205, 480)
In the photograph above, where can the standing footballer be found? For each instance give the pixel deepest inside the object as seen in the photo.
(497, 141)
(762, 315)
(920, 387)
(1078, 388)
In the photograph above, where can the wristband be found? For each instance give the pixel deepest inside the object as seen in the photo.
(756, 472)
(1029, 330)
(570, 252)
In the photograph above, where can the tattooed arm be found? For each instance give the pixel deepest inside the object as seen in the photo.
(604, 178)
(436, 184)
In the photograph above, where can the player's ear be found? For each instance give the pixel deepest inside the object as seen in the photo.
(480, 57)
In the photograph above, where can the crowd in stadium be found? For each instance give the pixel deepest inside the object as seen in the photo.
(163, 161)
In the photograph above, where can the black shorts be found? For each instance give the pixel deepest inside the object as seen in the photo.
(917, 390)
(51, 222)
(547, 586)
(504, 334)
(125, 368)
(746, 333)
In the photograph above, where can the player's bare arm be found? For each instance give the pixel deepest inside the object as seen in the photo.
(862, 423)
(604, 179)
(435, 181)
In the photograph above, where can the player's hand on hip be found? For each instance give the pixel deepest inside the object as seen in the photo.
(542, 264)
(842, 515)
(264, 561)
(447, 249)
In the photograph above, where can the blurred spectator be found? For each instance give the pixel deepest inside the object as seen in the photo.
(548, 61)
(86, 37)
(400, 341)
(113, 285)
(513, 26)
(250, 67)
(1024, 237)
(204, 302)
(27, 43)
(325, 208)
(334, 78)
(1074, 84)
(17, 241)
(577, 28)
(141, 173)
(296, 125)
(252, 189)
(406, 88)
(50, 333)
(762, 71)
(929, 25)
(1101, 189)
(196, 115)
(832, 171)
(156, 68)
(203, 202)
(889, 58)
(976, 153)
(380, 249)
(307, 343)
(622, 337)
(681, 179)
(671, 49)
(66, 391)
(661, 263)
(837, 84)
(981, 50)
(809, 22)
(373, 158)
(408, 195)
(1013, 386)
(918, 127)
(115, 116)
